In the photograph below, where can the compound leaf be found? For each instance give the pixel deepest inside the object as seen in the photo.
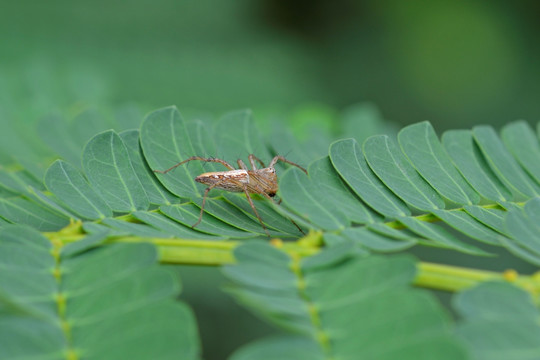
(116, 290)
(22, 211)
(503, 164)
(392, 167)
(165, 142)
(327, 296)
(156, 193)
(522, 142)
(300, 193)
(421, 145)
(499, 322)
(108, 168)
(68, 185)
(468, 159)
(349, 162)
(523, 226)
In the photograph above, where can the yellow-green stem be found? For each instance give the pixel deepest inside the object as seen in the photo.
(215, 253)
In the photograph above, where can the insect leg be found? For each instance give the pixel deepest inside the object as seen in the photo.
(281, 158)
(241, 164)
(252, 159)
(277, 203)
(206, 191)
(255, 210)
(211, 159)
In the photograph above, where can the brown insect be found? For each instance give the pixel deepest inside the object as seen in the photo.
(255, 181)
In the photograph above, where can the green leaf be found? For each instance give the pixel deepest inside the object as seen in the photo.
(465, 223)
(5, 193)
(523, 226)
(438, 236)
(108, 168)
(471, 163)
(19, 182)
(328, 182)
(279, 348)
(300, 194)
(21, 146)
(391, 166)
(168, 226)
(157, 194)
(375, 241)
(259, 253)
(236, 137)
(165, 142)
(499, 322)
(522, 142)
(26, 262)
(333, 256)
(188, 214)
(50, 203)
(203, 143)
(22, 211)
(503, 164)
(85, 244)
(135, 229)
(68, 185)
(266, 211)
(392, 233)
(117, 290)
(92, 228)
(230, 214)
(421, 145)
(349, 162)
(493, 218)
(318, 303)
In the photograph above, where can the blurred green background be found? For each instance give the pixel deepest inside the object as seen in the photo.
(454, 63)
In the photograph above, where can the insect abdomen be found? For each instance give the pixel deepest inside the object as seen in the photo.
(226, 180)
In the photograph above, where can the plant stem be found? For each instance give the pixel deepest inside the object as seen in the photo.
(215, 253)
(453, 278)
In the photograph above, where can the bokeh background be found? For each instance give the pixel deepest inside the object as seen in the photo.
(454, 63)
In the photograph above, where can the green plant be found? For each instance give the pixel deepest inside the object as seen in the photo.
(80, 280)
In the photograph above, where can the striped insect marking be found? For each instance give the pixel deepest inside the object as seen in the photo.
(227, 180)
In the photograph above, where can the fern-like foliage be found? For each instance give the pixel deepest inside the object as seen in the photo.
(499, 322)
(73, 303)
(341, 306)
(471, 191)
(466, 182)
